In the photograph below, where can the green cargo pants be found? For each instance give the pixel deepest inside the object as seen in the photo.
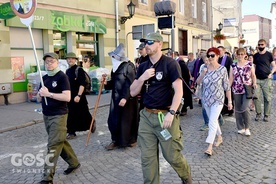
(57, 145)
(149, 138)
(266, 87)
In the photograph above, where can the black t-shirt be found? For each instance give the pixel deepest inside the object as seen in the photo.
(262, 62)
(55, 84)
(160, 92)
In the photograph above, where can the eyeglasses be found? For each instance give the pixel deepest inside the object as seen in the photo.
(260, 44)
(211, 55)
(50, 61)
(149, 42)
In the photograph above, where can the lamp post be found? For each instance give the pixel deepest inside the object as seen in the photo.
(218, 36)
(220, 27)
(131, 11)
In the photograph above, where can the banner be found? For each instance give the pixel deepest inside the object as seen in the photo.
(18, 68)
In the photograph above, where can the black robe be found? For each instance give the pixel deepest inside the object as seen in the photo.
(187, 94)
(227, 64)
(79, 117)
(122, 121)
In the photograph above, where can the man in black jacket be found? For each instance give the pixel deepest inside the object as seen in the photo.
(226, 61)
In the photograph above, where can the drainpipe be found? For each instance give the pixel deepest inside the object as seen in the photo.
(116, 24)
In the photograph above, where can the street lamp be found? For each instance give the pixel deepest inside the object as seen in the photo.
(131, 11)
(220, 26)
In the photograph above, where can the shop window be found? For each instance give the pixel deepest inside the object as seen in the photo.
(87, 46)
(60, 43)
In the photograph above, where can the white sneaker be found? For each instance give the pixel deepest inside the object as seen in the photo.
(247, 132)
(242, 131)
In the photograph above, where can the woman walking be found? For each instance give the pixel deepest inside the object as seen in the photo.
(242, 73)
(215, 81)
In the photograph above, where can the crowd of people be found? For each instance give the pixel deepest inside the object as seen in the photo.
(149, 97)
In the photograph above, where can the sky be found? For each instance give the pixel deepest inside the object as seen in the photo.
(258, 7)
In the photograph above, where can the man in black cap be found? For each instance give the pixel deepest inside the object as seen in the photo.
(56, 90)
(143, 53)
(159, 81)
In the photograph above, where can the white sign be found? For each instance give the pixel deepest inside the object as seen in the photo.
(229, 22)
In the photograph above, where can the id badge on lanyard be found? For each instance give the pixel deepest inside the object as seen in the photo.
(165, 133)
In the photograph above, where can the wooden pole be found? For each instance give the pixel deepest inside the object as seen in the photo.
(95, 109)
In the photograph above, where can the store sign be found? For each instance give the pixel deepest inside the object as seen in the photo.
(6, 11)
(63, 21)
(230, 22)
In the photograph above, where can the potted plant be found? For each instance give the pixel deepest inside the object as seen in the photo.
(242, 41)
(219, 37)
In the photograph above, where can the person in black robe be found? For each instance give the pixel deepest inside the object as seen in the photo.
(79, 117)
(228, 62)
(123, 114)
(187, 94)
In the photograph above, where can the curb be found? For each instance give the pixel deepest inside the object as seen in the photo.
(36, 121)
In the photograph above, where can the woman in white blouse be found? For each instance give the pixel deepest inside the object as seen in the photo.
(215, 81)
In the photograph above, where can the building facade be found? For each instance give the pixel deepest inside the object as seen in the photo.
(273, 25)
(93, 28)
(83, 27)
(255, 27)
(192, 31)
(231, 20)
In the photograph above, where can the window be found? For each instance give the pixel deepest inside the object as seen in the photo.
(194, 11)
(204, 11)
(143, 1)
(181, 6)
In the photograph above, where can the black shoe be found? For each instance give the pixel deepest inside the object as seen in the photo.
(187, 181)
(258, 117)
(70, 170)
(45, 182)
(266, 119)
(71, 136)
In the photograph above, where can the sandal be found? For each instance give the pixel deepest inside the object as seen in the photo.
(208, 152)
(218, 142)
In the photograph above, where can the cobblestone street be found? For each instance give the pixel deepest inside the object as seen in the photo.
(239, 160)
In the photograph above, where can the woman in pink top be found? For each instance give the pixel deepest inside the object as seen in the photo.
(242, 73)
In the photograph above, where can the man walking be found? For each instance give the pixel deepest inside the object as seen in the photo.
(57, 92)
(225, 61)
(263, 60)
(159, 81)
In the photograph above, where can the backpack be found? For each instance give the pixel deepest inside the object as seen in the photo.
(87, 87)
(129, 63)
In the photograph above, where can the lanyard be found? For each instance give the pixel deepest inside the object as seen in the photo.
(161, 118)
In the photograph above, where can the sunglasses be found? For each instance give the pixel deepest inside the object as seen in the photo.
(149, 42)
(260, 44)
(211, 55)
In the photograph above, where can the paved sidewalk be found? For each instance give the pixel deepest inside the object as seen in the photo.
(20, 115)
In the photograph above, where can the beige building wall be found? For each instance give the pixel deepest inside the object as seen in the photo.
(195, 27)
(254, 28)
(230, 9)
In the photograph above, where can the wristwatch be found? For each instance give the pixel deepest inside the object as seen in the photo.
(51, 95)
(172, 112)
(79, 95)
